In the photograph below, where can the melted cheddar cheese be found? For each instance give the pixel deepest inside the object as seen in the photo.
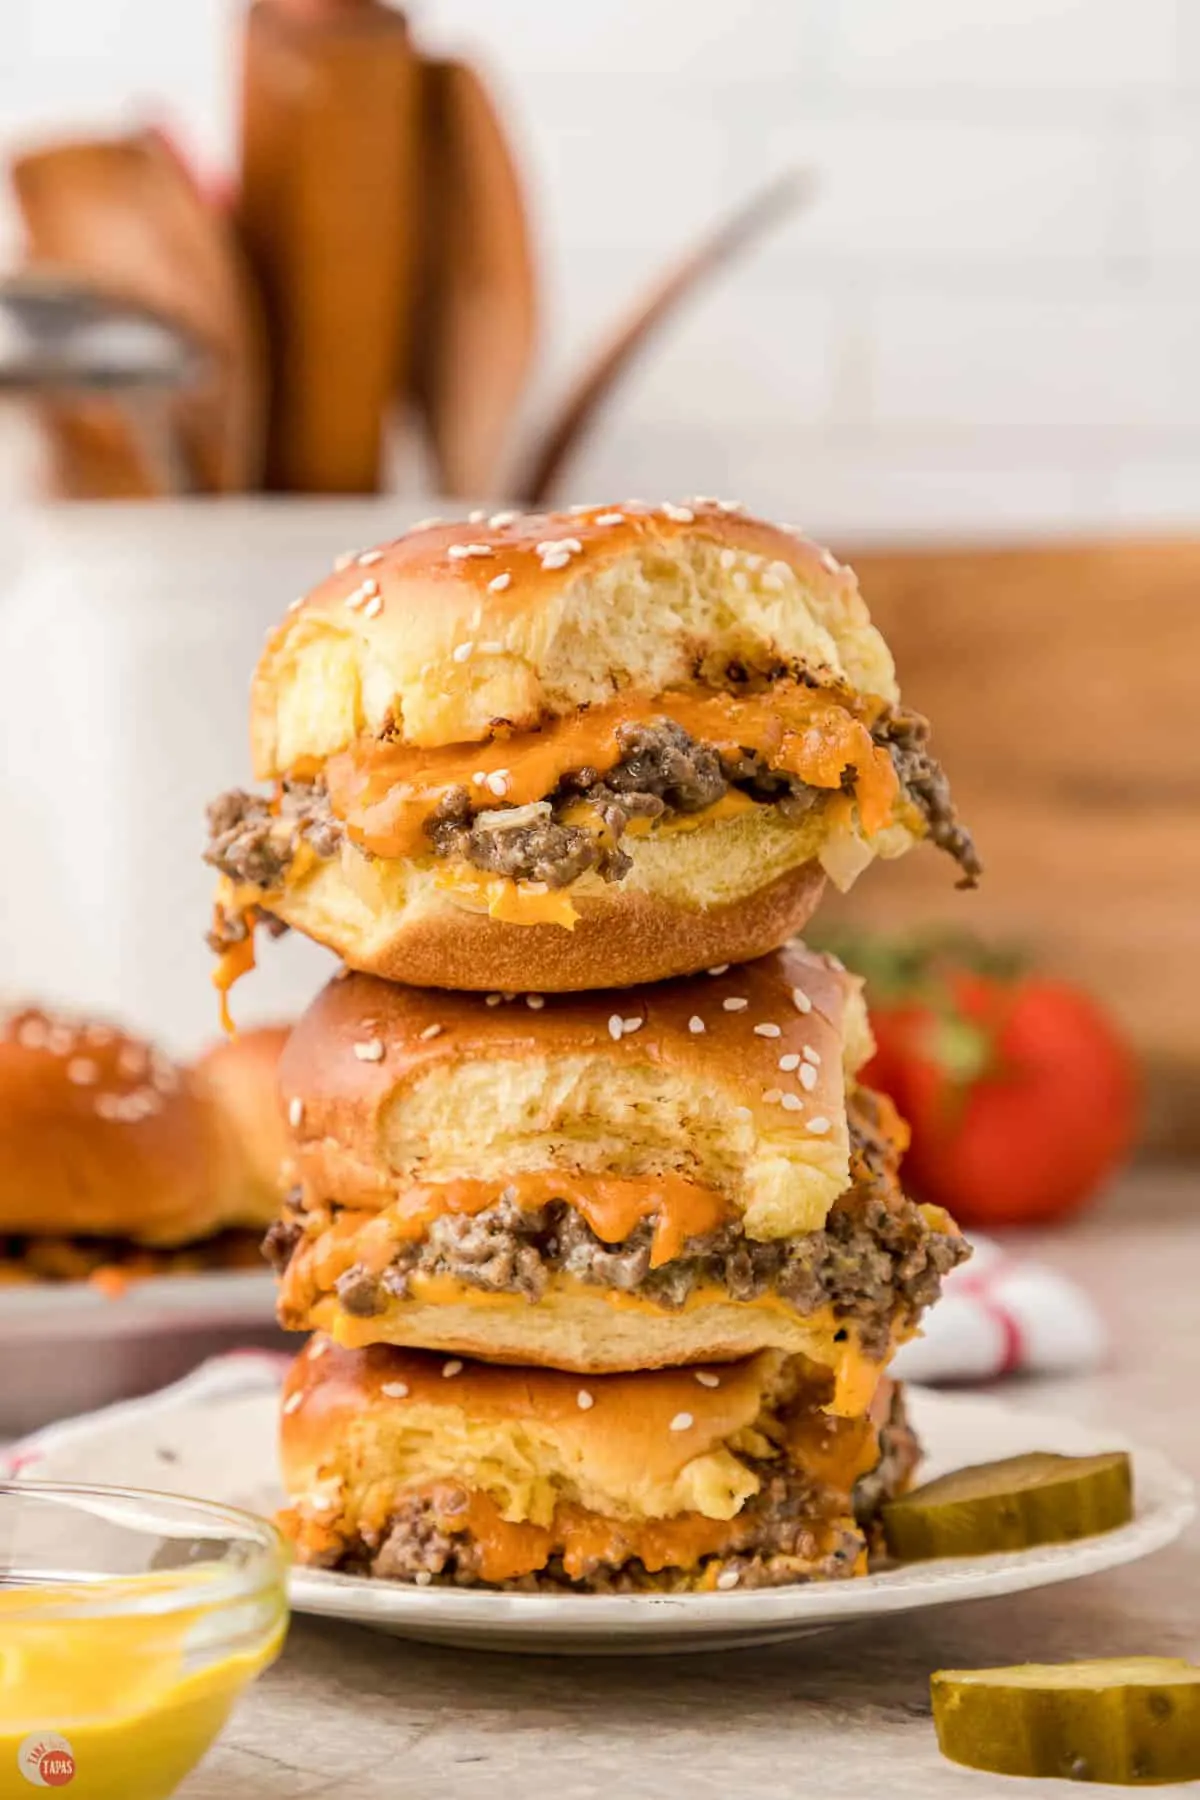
(385, 793)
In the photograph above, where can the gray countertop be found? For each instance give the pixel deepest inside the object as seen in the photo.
(349, 1715)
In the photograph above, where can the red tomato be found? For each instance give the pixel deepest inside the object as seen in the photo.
(1021, 1095)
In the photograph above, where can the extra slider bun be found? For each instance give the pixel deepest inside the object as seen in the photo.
(436, 1137)
(565, 751)
(405, 1465)
(104, 1136)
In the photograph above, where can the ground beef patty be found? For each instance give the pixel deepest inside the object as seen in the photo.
(780, 1536)
(877, 1261)
(662, 773)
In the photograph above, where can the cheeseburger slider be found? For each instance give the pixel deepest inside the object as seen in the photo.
(604, 1181)
(408, 1466)
(571, 750)
(113, 1157)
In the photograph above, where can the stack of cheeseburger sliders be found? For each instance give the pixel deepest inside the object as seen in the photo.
(600, 1243)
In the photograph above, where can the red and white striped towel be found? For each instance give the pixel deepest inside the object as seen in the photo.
(1003, 1315)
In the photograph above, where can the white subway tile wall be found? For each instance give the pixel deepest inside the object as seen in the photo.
(988, 320)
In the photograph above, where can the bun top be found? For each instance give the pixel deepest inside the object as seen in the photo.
(103, 1135)
(655, 1442)
(736, 1079)
(455, 629)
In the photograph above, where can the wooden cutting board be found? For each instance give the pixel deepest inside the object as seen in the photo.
(1064, 688)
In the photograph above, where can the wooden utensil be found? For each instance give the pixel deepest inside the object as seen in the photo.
(125, 215)
(477, 316)
(330, 108)
(563, 437)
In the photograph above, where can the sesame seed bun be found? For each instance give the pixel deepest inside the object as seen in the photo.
(412, 1466)
(102, 1135)
(481, 665)
(595, 601)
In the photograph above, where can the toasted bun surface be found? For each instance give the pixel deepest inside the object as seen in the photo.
(560, 611)
(727, 892)
(102, 1135)
(393, 1086)
(515, 1467)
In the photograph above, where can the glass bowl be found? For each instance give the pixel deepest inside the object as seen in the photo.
(129, 1624)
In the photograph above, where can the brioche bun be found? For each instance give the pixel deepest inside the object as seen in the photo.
(102, 1135)
(392, 1087)
(598, 600)
(402, 1464)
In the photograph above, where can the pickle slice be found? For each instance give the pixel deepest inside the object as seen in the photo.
(1132, 1721)
(1024, 1500)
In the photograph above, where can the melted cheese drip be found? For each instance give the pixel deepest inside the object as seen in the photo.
(385, 793)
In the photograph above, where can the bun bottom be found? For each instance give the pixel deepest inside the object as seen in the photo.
(725, 894)
(584, 1331)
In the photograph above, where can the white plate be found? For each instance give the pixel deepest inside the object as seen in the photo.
(68, 1348)
(214, 1435)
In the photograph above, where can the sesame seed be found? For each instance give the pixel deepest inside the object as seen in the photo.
(812, 1056)
(108, 1106)
(584, 1401)
(791, 1102)
(498, 583)
(730, 505)
(772, 1096)
(629, 1025)
(395, 1390)
(535, 1002)
(82, 1071)
(571, 545)
(557, 559)
(683, 1421)
(318, 1346)
(453, 1367)
(344, 560)
(696, 1025)
(370, 1051)
(770, 583)
(728, 1578)
(368, 557)
(130, 1062)
(801, 1001)
(423, 1578)
(808, 1077)
(99, 1034)
(789, 1062)
(461, 652)
(373, 608)
(755, 562)
(683, 515)
(479, 777)
(292, 1402)
(829, 561)
(818, 1126)
(735, 1003)
(508, 998)
(502, 518)
(742, 1112)
(719, 969)
(497, 783)
(493, 999)
(430, 1032)
(459, 552)
(728, 559)
(477, 517)
(492, 649)
(295, 1112)
(32, 1035)
(615, 1028)
(707, 1379)
(295, 605)
(61, 1039)
(767, 1030)
(610, 518)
